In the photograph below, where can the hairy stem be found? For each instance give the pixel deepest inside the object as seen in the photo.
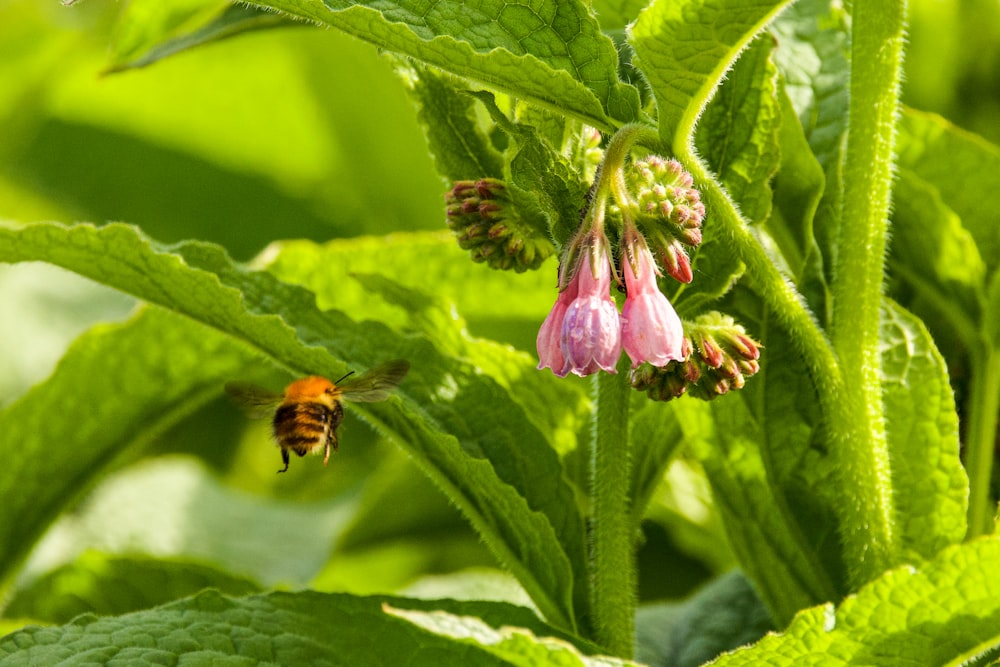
(861, 444)
(612, 540)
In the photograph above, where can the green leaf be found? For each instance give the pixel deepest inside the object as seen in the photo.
(813, 56)
(722, 616)
(738, 133)
(277, 628)
(548, 193)
(738, 137)
(109, 585)
(174, 508)
(515, 646)
(654, 436)
(685, 48)
(553, 53)
(282, 321)
(947, 612)
(460, 148)
(761, 527)
(930, 487)
(933, 252)
(149, 31)
(961, 166)
(113, 392)
(798, 190)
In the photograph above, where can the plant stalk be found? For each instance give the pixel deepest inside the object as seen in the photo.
(612, 559)
(860, 440)
(980, 442)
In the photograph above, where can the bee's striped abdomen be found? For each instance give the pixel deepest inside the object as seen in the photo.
(306, 425)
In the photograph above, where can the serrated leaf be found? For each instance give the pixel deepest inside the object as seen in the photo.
(725, 614)
(278, 628)
(113, 392)
(109, 585)
(149, 31)
(521, 453)
(282, 321)
(947, 612)
(930, 487)
(685, 48)
(461, 150)
(553, 53)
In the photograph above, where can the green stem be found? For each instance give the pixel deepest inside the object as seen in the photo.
(612, 540)
(860, 442)
(980, 440)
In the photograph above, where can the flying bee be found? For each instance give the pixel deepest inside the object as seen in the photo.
(307, 414)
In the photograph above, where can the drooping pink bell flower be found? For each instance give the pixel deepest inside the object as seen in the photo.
(547, 343)
(651, 330)
(582, 333)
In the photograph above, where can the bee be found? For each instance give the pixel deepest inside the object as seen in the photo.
(307, 414)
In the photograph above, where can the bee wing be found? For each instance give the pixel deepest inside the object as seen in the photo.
(257, 401)
(376, 384)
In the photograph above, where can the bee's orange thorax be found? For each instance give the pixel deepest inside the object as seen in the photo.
(313, 388)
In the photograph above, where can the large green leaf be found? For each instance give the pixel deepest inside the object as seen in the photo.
(685, 48)
(112, 392)
(946, 612)
(553, 52)
(431, 420)
(278, 628)
(930, 485)
(963, 168)
(110, 585)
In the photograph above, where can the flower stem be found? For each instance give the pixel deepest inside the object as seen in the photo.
(612, 559)
(983, 407)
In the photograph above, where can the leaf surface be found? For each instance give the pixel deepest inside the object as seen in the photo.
(551, 52)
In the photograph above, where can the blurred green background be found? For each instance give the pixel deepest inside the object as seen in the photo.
(293, 133)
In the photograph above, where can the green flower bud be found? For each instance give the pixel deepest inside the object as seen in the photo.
(486, 223)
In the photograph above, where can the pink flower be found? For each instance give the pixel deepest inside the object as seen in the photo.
(651, 330)
(582, 333)
(547, 343)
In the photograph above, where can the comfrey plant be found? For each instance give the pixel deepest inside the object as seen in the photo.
(674, 386)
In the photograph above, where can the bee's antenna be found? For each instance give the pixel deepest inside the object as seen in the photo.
(349, 374)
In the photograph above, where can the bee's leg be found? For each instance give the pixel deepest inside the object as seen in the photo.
(331, 444)
(284, 459)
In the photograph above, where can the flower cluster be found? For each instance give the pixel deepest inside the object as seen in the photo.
(669, 211)
(486, 223)
(584, 332)
(719, 356)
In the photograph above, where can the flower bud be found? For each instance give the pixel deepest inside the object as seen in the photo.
(486, 223)
(720, 356)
